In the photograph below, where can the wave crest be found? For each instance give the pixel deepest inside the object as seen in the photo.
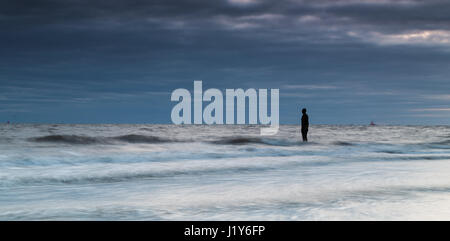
(68, 139)
(87, 140)
(132, 138)
(239, 141)
(256, 140)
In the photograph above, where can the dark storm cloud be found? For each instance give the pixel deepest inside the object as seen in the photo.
(285, 21)
(75, 52)
(409, 14)
(52, 11)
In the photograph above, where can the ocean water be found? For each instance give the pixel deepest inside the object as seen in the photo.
(167, 172)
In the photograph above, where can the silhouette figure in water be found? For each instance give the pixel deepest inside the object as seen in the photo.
(305, 125)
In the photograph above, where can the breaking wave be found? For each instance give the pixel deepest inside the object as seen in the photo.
(68, 139)
(446, 142)
(142, 139)
(123, 177)
(148, 139)
(86, 140)
(255, 140)
(239, 141)
(343, 143)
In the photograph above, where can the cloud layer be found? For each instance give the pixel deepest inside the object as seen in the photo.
(318, 52)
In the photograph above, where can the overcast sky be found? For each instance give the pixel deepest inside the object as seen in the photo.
(117, 61)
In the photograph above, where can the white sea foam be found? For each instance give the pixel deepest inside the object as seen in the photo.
(165, 172)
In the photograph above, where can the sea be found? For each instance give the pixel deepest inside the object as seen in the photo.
(223, 172)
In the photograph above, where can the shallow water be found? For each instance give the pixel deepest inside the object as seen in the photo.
(166, 172)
